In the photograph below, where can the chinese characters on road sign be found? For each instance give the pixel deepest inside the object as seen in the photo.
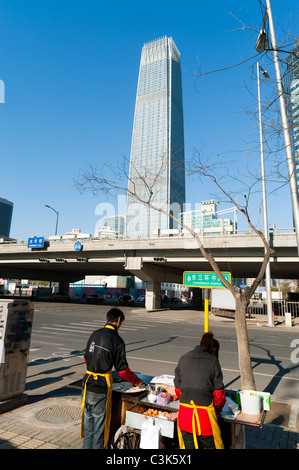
(208, 280)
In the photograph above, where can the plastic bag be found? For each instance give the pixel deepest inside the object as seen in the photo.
(150, 435)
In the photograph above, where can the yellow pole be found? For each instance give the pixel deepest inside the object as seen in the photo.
(206, 315)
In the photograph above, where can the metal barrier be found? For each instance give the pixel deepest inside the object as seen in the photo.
(279, 308)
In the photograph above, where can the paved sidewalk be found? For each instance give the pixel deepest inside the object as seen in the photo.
(43, 423)
(53, 422)
(281, 427)
(271, 437)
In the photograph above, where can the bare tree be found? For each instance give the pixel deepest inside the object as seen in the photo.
(94, 181)
(242, 299)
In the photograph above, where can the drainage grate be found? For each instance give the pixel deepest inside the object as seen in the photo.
(59, 414)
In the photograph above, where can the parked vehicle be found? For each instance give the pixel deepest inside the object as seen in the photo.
(57, 297)
(223, 303)
(140, 298)
(42, 293)
(94, 299)
(175, 300)
(126, 299)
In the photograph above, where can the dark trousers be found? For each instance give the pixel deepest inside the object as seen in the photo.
(204, 442)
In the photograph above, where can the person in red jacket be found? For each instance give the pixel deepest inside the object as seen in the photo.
(199, 385)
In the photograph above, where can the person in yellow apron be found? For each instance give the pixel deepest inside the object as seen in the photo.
(212, 435)
(198, 384)
(105, 350)
(101, 423)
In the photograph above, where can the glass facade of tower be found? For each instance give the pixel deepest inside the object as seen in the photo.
(157, 168)
(291, 88)
(206, 220)
(116, 223)
(6, 209)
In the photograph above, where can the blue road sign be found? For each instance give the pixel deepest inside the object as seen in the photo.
(36, 242)
(78, 246)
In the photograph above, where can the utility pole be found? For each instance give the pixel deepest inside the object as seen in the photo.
(265, 216)
(285, 127)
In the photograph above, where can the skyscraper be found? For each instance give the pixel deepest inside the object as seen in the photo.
(291, 88)
(157, 161)
(6, 209)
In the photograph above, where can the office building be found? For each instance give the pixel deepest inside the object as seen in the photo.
(291, 88)
(207, 221)
(116, 223)
(157, 168)
(6, 208)
(113, 227)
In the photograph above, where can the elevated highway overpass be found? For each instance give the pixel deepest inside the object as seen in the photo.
(152, 260)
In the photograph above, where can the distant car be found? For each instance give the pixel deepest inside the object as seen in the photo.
(126, 299)
(94, 299)
(175, 300)
(185, 300)
(56, 297)
(140, 298)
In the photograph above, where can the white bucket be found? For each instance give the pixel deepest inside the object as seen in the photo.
(250, 402)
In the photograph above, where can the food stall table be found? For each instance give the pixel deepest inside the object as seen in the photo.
(232, 425)
(130, 403)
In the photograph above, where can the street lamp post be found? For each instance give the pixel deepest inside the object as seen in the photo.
(265, 216)
(284, 120)
(57, 215)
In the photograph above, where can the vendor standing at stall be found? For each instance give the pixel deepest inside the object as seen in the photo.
(105, 349)
(199, 385)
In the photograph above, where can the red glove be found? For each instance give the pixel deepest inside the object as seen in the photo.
(129, 376)
(219, 399)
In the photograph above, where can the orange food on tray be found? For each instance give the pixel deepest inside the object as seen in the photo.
(157, 413)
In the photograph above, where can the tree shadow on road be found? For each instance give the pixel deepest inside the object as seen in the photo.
(71, 354)
(281, 372)
(271, 361)
(171, 338)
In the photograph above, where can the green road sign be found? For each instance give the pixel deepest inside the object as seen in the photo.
(204, 279)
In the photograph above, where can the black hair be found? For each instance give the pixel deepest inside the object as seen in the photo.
(114, 314)
(209, 343)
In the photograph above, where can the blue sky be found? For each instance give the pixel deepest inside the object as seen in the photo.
(70, 70)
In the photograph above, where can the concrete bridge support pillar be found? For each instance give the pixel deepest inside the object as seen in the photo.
(64, 287)
(153, 295)
(153, 274)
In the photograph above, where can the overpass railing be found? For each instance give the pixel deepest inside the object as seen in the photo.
(78, 237)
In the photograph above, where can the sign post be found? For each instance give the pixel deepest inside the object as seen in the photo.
(206, 315)
(205, 280)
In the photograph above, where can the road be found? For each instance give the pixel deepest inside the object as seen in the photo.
(154, 343)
